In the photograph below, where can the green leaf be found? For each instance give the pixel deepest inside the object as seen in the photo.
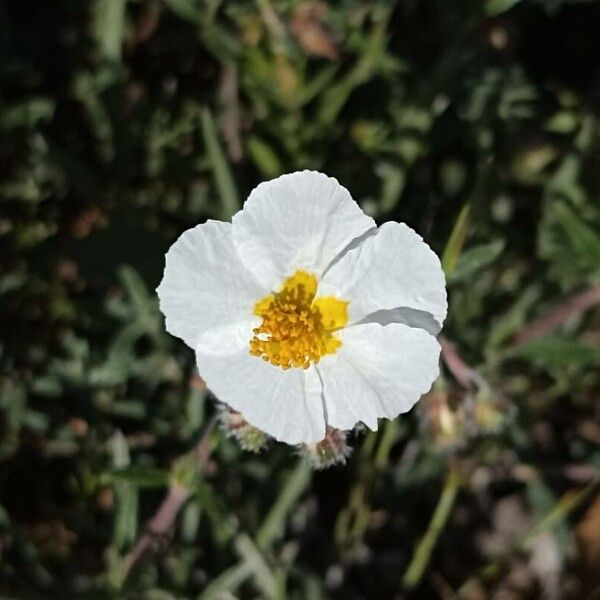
(126, 496)
(262, 574)
(264, 157)
(456, 241)
(13, 402)
(136, 288)
(556, 351)
(4, 517)
(275, 521)
(223, 522)
(109, 27)
(394, 181)
(29, 113)
(194, 410)
(143, 477)
(584, 239)
(543, 500)
(317, 84)
(497, 7)
(512, 321)
(47, 385)
(190, 521)
(229, 580)
(568, 239)
(368, 65)
(188, 10)
(475, 259)
(223, 177)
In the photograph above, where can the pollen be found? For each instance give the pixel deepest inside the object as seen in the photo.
(298, 328)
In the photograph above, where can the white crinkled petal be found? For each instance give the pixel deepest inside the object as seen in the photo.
(378, 371)
(287, 405)
(393, 269)
(205, 285)
(301, 220)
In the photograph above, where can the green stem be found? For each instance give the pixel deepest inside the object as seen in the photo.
(422, 554)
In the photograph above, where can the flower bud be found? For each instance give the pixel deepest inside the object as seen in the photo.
(331, 450)
(234, 425)
(442, 422)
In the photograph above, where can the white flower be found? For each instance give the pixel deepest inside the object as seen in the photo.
(303, 314)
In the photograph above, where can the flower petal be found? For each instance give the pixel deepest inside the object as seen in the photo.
(286, 404)
(393, 269)
(378, 371)
(205, 285)
(298, 221)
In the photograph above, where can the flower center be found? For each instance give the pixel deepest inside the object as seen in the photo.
(297, 329)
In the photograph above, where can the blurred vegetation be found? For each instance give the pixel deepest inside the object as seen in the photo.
(124, 122)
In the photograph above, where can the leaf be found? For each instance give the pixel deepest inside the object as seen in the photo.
(223, 523)
(188, 10)
(263, 576)
(565, 183)
(229, 580)
(562, 122)
(509, 323)
(584, 239)
(475, 259)
(109, 27)
(126, 496)
(274, 523)
(190, 521)
(569, 241)
(497, 7)
(456, 240)
(29, 113)
(556, 351)
(264, 157)
(394, 181)
(543, 500)
(369, 64)
(194, 409)
(47, 385)
(223, 177)
(130, 409)
(13, 402)
(144, 477)
(311, 89)
(4, 517)
(136, 288)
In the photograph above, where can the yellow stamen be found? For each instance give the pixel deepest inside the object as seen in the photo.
(297, 329)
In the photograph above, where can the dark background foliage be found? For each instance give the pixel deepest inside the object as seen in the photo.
(124, 122)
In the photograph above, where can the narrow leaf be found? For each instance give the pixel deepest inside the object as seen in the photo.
(456, 241)
(220, 168)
